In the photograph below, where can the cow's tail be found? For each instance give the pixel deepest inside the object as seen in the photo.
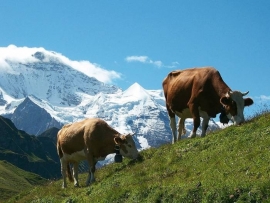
(70, 176)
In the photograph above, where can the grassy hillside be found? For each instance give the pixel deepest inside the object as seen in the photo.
(231, 165)
(28, 152)
(13, 180)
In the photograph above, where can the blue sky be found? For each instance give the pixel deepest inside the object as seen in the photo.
(144, 40)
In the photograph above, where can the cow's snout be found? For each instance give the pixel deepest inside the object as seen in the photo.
(238, 120)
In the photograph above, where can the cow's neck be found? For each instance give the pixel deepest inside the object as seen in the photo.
(223, 89)
(108, 147)
(113, 145)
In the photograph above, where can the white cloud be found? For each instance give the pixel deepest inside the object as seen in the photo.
(94, 70)
(24, 55)
(143, 59)
(16, 54)
(262, 101)
(265, 98)
(147, 60)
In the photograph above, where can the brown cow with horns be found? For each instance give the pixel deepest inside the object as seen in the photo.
(201, 92)
(91, 139)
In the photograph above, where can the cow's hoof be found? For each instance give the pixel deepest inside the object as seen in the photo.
(192, 136)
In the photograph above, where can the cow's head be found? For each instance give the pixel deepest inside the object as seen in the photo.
(234, 103)
(127, 146)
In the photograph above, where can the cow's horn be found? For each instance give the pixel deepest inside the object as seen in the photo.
(245, 93)
(229, 93)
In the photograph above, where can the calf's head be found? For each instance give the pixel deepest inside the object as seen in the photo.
(127, 146)
(234, 104)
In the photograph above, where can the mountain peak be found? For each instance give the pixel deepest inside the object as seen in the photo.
(60, 80)
(136, 86)
(136, 91)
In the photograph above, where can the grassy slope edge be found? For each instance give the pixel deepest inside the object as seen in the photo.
(14, 180)
(231, 165)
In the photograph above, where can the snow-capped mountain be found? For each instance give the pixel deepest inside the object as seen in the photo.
(46, 76)
(43, 89)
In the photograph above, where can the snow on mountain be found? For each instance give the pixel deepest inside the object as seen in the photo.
(47, 75)
(47, 89)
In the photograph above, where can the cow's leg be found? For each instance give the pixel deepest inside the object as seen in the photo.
(87, 183)
(196, 118)
(205, 122)
(173, 128)
(75, 174)
(91, 178)
(92, 168)
(63, 171)
(181, 127)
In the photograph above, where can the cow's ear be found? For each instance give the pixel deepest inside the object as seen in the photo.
(248, 101)
(118, 140)
(225, 101)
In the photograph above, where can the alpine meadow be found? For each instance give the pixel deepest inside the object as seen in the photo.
(136, 101)
(229, 165)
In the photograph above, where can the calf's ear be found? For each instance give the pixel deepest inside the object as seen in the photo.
(248, 101)
(225, 100)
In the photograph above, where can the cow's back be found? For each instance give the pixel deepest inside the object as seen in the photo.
(87, 134)
(70, 138)
(99, 137)
(200, 84)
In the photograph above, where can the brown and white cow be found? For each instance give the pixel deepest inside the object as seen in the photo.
(201, 92)
(92, 140)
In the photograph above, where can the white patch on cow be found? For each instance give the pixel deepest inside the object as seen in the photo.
(131, 150)
(76, 156)
(187, 114)
(238, 98)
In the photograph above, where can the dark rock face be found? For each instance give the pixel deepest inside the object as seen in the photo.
(33, 119)
(39, 55)
(2, 101)
(49, 139)
(27, 151)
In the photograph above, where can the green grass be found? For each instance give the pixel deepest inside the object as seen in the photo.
(14, 180)
(230, 165)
